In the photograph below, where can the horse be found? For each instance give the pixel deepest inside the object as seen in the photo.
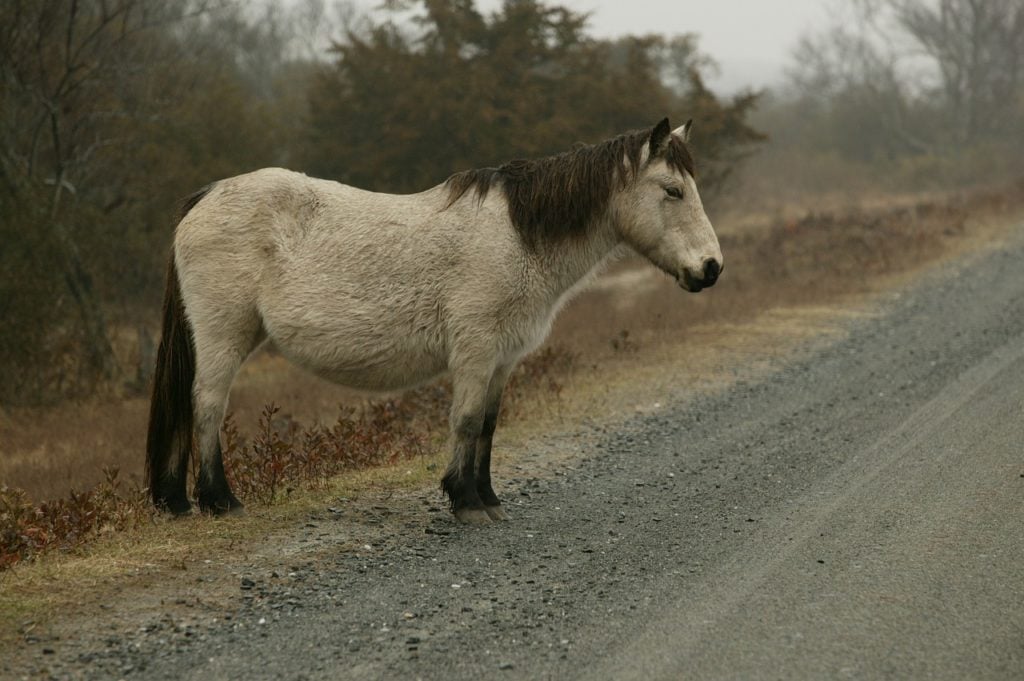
(382, 292)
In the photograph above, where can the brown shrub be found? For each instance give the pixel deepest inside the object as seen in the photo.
(27, 530)
(281, 456)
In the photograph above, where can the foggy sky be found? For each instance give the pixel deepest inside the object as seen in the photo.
(750, 39)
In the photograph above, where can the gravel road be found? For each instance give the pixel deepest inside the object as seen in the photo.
(857, 514)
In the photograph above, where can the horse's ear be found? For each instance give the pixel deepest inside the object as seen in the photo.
(660, 136)
(683, 131)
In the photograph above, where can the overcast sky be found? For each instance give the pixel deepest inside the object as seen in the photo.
(750, 39)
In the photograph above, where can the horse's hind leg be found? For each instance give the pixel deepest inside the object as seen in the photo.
(467, 421)
(483, 448)
(217, 362)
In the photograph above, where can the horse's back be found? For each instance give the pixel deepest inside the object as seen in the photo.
(278, 223)
(240, 216)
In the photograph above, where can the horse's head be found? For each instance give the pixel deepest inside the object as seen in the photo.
(660, 215)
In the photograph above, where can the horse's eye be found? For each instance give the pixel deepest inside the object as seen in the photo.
(674, 192)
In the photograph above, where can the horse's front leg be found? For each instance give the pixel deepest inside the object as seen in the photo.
(483, 448)
(469, 405)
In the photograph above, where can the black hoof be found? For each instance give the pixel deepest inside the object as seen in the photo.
(461, 496)
(224, 503)
(174, 502)
(178, 508)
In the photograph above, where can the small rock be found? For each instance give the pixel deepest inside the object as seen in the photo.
(247, 583)
(506, 665)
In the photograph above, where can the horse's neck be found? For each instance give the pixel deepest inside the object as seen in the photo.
(567, 264)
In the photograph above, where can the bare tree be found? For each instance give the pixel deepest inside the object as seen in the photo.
(977, 47)
(854, 69)
(63, 64)
(922, 73)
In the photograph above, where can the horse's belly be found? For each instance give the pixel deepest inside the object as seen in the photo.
(362, 358)
(395, 373)
(363, 334)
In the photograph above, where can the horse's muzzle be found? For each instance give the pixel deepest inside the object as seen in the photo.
(712, 270)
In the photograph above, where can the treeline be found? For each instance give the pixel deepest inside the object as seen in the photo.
(399, 110)
(111, 111)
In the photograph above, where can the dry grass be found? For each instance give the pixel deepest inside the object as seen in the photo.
(282, 457)
(788, 261)
(631, 317)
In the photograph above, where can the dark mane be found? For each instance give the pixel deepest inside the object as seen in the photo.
(189, 202)
(556, 197)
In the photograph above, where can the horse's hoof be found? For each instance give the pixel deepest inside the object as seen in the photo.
(224, 509)
(472, 516)
(177, 506)
(496, 513)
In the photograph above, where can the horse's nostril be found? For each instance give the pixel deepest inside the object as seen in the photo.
(711, 271)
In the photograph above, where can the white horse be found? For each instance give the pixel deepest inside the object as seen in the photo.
(382, 292)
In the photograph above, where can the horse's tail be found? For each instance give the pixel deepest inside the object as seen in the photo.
(170, 437)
